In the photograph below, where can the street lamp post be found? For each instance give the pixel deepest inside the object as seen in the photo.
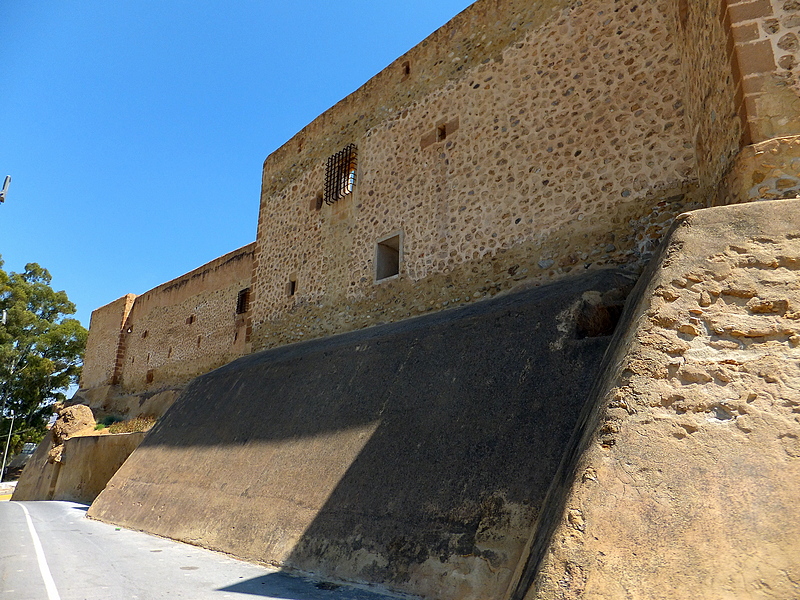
(4, 189)
(3, 318)
(8, 443)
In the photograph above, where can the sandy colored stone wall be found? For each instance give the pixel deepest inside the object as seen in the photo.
(38, 479)
(102, 344)
(87, 464)
(413, 455)
(767, 36)
(569, 149)
(686, 484)
(170, 334)
(768, 170)
(187, 326)
(713, 92)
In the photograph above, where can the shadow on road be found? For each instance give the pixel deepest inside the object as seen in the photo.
(288, 587)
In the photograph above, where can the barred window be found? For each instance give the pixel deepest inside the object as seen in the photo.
(340, 174)
(243, 301)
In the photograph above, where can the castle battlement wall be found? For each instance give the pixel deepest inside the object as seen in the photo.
(520, 143)
(173, 332)
(102, 345)
(489, 451)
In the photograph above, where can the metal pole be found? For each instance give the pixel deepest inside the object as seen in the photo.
(8, 443)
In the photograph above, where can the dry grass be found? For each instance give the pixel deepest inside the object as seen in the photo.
(133, 425)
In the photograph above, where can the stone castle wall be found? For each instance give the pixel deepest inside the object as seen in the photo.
(574, 132)
(171, 333)
(522, 144)
(399, 455)
(568, 147)
(712, 90)
(102, 345)
(768, 48)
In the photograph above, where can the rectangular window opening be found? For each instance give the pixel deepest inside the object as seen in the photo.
(243, 301)
(387, 257)
(441, 133)
(291, 285)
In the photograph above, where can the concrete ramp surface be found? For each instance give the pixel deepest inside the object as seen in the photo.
(414, 455)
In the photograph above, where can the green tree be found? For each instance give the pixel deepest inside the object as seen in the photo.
(41, 351)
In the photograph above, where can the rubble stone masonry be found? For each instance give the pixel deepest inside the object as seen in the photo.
(523, 144)
(564, 144)
(520, 143)
(172, 333)
(687, 482)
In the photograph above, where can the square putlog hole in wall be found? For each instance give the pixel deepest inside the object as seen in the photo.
(388, 254)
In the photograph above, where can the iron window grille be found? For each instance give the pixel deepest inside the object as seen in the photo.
(340, 174)
(243, 301)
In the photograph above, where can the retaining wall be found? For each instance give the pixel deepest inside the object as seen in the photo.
(683, 476)
(413, 455)
(87, 464)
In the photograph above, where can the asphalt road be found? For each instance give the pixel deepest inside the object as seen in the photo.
(51, 551)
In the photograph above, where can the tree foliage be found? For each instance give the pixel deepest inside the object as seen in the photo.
(41, 351)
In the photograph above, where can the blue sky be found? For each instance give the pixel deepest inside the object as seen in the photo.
(135, 131)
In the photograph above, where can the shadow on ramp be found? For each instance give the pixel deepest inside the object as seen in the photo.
(414, 455)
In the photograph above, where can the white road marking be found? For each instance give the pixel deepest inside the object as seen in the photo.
(49, 584)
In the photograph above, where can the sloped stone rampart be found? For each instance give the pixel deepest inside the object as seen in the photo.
(413, 455)
(89, 462)
(688, 470)
(38, 479)
(86, 464)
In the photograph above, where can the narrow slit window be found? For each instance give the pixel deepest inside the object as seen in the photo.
(291, 285)
(387, 257)
(340, 174)
(243, 301)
